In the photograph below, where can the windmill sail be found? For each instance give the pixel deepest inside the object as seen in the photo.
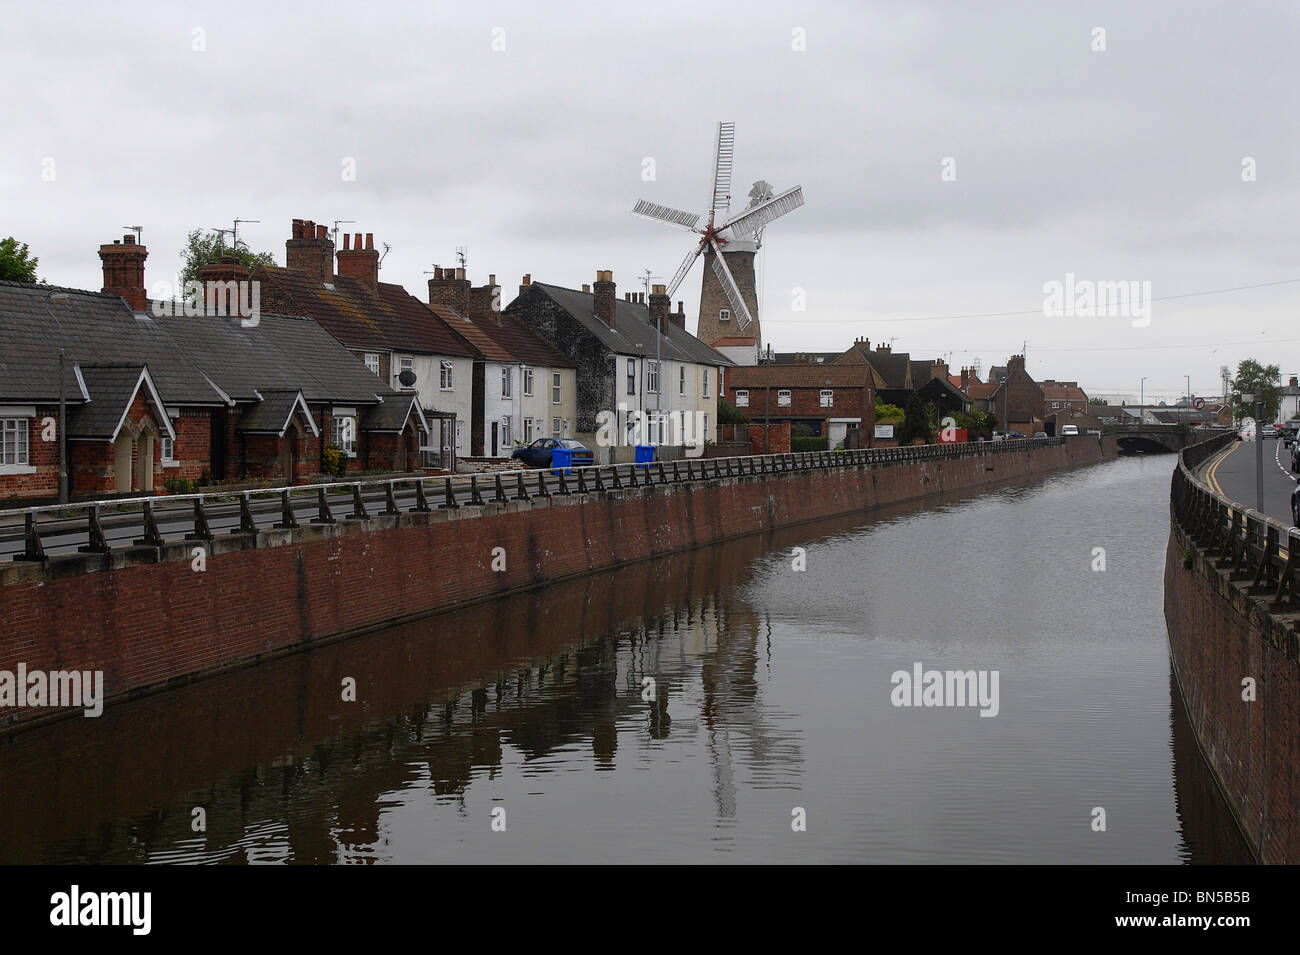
(743, 318)
(681, 272)
(752, 220)
(667, 214)
(722, 157)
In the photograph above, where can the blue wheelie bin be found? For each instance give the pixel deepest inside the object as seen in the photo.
(645, 455)
(562, 460)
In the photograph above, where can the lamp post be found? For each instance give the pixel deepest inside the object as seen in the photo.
(1257, 402)
(1142, 393)
(61, 298)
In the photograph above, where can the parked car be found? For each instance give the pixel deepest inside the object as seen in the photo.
(1295, 506)
(1040, 435)
(538, 454)
(1268, 431)
(1069, 429)
(1015, 434)
(1295, 458)
(1289, 432)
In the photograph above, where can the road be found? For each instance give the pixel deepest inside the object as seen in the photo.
(1232, 473)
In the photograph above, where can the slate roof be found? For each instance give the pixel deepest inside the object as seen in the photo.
(522, 342)
(805, 357)
(487, 347)
(271, 414)
(797, 376)
(392, 414)
(892, 367)
(112, 388)
(633, 334)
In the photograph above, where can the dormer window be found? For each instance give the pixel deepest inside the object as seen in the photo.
(724, 314)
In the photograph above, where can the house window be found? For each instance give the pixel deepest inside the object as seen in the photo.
(372, 363)
(507, 438)
(783, 397)
(13, 443)
(405, 364)
(1056, 404)
(704, 435)
(168, 450)
(528, 431)
(345, 434)
(555, 387)
(681, 380)
(506, 382)
(566, 427)
(742, 399)
(528, 382)
(827, 398)
(724, 314)
(706, 383)
(444, 381)
(631, 376)
(652, 377)
(555, 427)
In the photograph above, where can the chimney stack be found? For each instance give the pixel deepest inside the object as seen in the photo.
(526, 281)
(223, 291)
(1014, 363)
(604, 301)
(450, 288)
(124, 271)
(360, 263)
(310, 250)
(965, 379)
(678, 317)
(659, 303)
(481, 300)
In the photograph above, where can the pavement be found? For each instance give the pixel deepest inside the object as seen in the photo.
(1232, 474)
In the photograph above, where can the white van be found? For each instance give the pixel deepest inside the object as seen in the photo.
(1069, 429)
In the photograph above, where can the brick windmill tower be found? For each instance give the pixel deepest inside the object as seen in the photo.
(728, 295)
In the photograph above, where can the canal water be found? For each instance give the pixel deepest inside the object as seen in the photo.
(525, 730)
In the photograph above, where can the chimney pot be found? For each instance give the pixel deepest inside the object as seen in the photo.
(370, 240)
(528, 279)
(492, 280)
(347, 242)
(604, 292)
(586, 288)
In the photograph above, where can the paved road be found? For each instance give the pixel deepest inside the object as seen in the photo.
(1233, 475)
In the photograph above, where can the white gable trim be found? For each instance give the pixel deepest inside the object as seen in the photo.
(154, 399)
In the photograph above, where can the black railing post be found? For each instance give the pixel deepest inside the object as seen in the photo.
(287, 519)
(152, 538)
(98, 543)
(449, 496)
(390, 499)
(521, 492)
(358, 505)
(201, 530)
(475, 495)
(421, 499)
(33, 549)
(323, 513)
(500, 489)
(246, 522)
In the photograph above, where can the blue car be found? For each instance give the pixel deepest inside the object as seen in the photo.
(538, 454)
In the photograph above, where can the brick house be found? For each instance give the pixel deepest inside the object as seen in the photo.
(1017, 401)
(153, 396)
(1062, 396)
(830, 399)
(623, 364)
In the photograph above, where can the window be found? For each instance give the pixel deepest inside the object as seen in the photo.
(372, 363)
(528, 382)
(706, 383)
(631, 376)
(528, 431)
(506, 383)
(506, 437)
(704, 434)
(652, 377)
(13, 443)
(555, 427)
(444, 381)
(783, 397)
(405, 364)
(724, 314)
(566, 427)
(681, 380)
(742, 399)
(827, 398)
(345, 433)
(1056, 404)
(168, 452)
(555, 387)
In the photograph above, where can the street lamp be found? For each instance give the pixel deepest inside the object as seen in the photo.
(1142, 394)
(61, 298)
(1257, 400)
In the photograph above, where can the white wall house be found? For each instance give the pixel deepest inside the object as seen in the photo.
(546, 402)
(443, 384)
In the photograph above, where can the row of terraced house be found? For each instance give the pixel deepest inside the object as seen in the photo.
(331, 357)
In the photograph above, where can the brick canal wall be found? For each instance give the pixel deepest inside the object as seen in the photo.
(148, 619)
(1220, 634)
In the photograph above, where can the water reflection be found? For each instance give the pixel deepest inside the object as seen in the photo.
(769, 692)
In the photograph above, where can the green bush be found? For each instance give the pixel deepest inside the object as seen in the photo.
(800, 430)
(334, 462)
(730, 414)
(806, 443)
(180, 486)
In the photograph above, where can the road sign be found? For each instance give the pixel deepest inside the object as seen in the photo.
(1199, 404)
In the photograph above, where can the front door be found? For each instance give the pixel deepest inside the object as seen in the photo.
(122, 463)
(494, 439)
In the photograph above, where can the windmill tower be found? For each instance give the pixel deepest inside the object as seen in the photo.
(728, 294)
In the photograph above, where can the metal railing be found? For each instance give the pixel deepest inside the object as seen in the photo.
(1256, 549)
(435, 493)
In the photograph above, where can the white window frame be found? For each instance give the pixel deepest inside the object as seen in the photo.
(507, 432)
(167, 452)
(405, 364)
(704, 435)
(631, 376)
(350, 447)
(528, 431)
(528, 382)
(742, 397)
(724, 314)
(555, 427)
(705, 392)
(783, 397)
(507, 382)
(652, 377)
(827, 397)
(18, 429)
(556, 385)
(681, 380)
(372, 363)
(446, 375)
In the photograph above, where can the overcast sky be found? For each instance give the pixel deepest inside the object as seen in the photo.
(521, 132)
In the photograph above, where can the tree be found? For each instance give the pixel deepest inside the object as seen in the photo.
(730, 414)
(15, 264)
(201, 250)
(915, 422)
(1096, 401)
(887, 413)
(1262, 381)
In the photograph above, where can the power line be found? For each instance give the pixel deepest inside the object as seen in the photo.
(1011, 349)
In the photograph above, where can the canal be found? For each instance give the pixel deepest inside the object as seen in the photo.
(522, 729)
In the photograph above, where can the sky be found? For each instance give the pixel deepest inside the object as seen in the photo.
(955, 158)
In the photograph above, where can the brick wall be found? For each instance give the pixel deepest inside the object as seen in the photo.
(1217, 637)
(144, 617)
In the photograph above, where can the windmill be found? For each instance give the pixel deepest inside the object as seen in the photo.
(728, 244)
